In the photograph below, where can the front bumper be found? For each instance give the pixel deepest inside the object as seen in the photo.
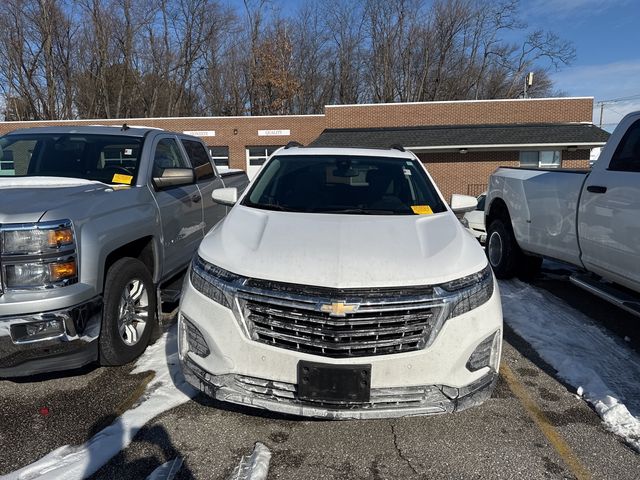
(384, 403)
(73, 346)
(222, 361)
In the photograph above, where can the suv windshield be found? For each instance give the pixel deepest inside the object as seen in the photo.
(105, 158)
(344, 184)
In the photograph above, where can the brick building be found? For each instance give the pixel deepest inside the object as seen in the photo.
(461, 142)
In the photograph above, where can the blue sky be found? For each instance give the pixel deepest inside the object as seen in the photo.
(606, 35)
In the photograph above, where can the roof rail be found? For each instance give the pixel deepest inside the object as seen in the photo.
(292, 144)
(397, 146)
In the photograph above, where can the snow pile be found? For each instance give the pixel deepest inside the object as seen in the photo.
(603, 369)
(167, 390)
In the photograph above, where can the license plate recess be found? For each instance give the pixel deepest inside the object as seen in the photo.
(334, 383)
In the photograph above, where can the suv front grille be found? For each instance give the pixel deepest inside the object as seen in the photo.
(381, 325)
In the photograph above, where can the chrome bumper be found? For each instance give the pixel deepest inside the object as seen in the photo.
(73, 346)
(384, 403)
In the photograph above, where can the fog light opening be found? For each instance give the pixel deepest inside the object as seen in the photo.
(31, 332)
(485, 354)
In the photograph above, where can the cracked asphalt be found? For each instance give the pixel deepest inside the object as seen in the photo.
(499, 439)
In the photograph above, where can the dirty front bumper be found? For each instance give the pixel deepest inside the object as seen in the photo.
(69, 341)
(282, 397)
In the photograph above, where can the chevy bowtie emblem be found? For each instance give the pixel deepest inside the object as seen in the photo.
(338, 309)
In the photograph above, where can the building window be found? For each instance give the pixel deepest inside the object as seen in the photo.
(220, 156)
(258, 155)
(541, 159)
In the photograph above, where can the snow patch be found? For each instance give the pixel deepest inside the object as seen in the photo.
(167, 390)
(602, 368)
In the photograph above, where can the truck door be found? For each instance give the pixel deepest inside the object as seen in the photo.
(207, 181)
(609, 217)
(180, 208)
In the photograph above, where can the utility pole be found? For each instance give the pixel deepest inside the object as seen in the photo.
(601, 112)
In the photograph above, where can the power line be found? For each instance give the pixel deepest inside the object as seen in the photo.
(620, 99)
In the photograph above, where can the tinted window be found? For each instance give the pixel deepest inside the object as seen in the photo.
(167, 155)
(344, 184)
(199, 159)
(627, 155)
(106, 158)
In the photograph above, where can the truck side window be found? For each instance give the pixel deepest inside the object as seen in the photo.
(167, 155)
(199, 159)
(627, 156)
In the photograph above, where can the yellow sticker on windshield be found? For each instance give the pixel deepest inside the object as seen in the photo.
(119, 178)
(421, 209)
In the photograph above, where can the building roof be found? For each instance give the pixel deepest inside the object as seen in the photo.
(480, 137)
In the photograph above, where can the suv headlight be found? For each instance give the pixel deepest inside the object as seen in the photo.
(468, 293)
(38, 255)
(214, 282)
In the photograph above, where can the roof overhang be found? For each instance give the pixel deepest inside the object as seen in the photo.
(504, 147)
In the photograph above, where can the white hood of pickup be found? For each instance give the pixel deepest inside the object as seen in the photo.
(343, 251)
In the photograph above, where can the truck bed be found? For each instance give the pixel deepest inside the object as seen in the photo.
(543, 207)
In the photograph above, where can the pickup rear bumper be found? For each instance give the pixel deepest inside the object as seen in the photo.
(50, 341)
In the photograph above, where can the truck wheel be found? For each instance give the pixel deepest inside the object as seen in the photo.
(129, 312)
(502, 249)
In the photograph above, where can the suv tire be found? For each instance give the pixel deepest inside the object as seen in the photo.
(129, 312)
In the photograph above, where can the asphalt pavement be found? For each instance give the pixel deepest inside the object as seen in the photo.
(533, 427)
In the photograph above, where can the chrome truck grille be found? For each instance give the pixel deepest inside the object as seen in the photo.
(339, 323)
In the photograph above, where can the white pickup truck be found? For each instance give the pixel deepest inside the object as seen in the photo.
(590, 219)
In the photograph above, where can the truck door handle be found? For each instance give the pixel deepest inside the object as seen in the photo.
(196, 198)
(596, 189)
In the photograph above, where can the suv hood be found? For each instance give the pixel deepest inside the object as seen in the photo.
(343, 251)
(26, 199)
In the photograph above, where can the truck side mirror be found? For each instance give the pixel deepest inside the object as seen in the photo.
(174, 177)
(225, 196)
(461, 204)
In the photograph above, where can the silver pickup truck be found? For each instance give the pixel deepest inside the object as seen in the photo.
(97, 226)
(589, 219)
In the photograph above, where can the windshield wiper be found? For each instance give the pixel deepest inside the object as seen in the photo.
(272, 206)
(359, 211)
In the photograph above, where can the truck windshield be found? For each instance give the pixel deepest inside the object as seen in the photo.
(356, 185)
(110, 159)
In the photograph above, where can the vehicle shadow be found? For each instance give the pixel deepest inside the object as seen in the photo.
(152, 447)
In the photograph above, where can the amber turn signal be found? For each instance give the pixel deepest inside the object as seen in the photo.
(61, 271)
(60, 237)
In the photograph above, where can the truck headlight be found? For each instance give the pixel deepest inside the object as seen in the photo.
(38, 255)
(35, 239)
(468, 293)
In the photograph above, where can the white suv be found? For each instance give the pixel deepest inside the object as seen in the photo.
(341, 285)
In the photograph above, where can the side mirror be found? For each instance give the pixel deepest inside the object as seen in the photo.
(225, 196)
(174, 177)
(461, 204)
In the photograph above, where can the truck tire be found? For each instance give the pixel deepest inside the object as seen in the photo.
(129, 312)
(502, 249)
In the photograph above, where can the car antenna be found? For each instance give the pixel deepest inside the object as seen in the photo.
(397, 146)
(124, 128)
(292, 144)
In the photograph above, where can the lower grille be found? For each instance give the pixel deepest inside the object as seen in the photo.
(379, 326)
(383, 398)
